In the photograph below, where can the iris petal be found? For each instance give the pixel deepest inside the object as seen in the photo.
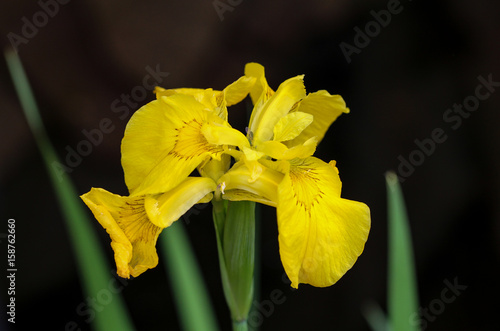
(289, 93)
(260, 89)
(212, 99)
(291, 125)
(238, 90)
(164, 143)
(133, 235)
(134, 223)
(241, 179)
(320, 234)
(166, 208)
(325, 108)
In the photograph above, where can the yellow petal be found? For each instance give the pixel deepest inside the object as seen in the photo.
(238, 90)
(251, 154)
(263, 121)
(291, 125)
(214, 169)
(240, 178)
(260, 87)
(223, 135)
(260, 93)
(242, 195)
(212, 99)
(321, 235)
(133, 235)
(280, 151)
(325, 109)
(163, 143)
(163, 210)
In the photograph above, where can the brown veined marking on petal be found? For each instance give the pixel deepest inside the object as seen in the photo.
(295, 106)
(307, 193)
(132, 221)
(190, 142)
(219, 98)
(269, 93)
(305, 188)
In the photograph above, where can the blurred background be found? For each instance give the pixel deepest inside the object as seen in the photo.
(405, 69)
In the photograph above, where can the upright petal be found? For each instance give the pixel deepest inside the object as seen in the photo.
(260, 87)
(238, 90)
(263, 121)
(325, 109)
(291, 125)
(164, 143)
(133, 235)
(320, 234)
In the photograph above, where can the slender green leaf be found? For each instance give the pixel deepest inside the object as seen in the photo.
(93, 269)
(402, 286)
(191, 296)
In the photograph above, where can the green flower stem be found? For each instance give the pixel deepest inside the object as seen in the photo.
(235, 229)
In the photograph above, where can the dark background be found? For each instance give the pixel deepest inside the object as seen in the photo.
(398, 88)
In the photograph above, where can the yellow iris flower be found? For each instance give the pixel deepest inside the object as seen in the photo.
(321, 234)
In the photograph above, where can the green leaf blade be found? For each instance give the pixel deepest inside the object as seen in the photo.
(402, 285)
(93, 268)
(191, 296)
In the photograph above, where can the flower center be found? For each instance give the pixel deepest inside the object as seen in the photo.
(191, 142)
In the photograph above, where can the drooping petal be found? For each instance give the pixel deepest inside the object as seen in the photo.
(320, 234)
(263, 121)
(164, 143)
(165, 209)
(133, 235)
(325, 109)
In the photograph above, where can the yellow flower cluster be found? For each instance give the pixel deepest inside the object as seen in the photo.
(321, 234)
